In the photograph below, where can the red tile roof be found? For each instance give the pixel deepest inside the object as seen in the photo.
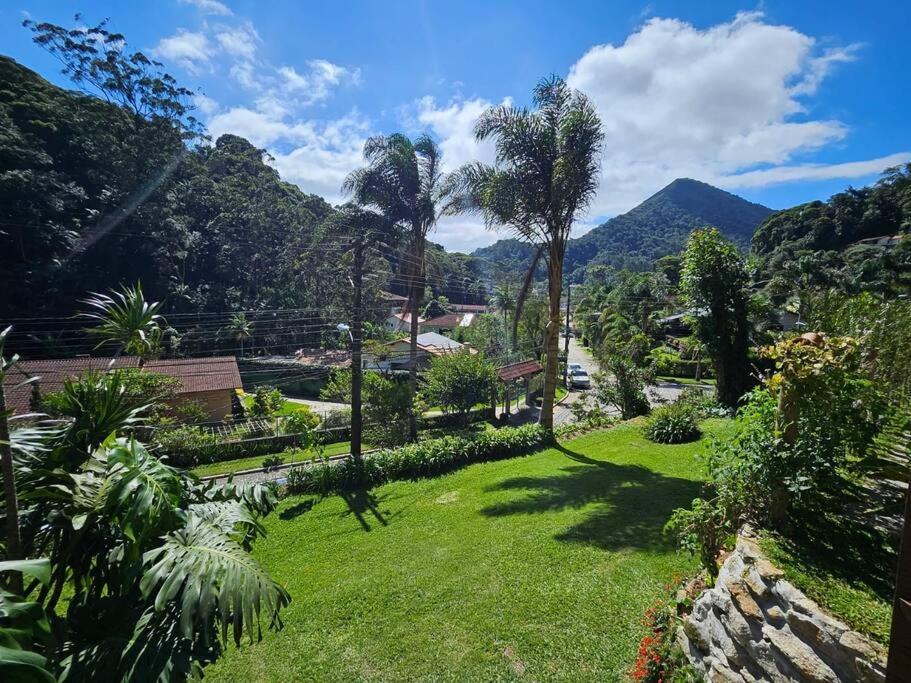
(195, 374)
(446, 320)
(524, 368)
(200, 374)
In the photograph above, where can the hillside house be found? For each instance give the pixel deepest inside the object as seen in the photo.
(400, 322)
(448, 322)
(210, 382)
(396, 355)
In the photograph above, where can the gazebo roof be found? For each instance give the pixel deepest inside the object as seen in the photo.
(525, 368)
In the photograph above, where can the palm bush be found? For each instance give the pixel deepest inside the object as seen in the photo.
(675, 423)
(125, 318)
(155, 565)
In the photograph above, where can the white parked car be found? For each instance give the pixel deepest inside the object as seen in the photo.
(579, 379)
(572, 367)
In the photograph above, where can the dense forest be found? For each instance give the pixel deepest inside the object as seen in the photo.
(657, 227)
(819, 244)
(110, 184)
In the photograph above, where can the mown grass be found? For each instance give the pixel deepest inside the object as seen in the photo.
(229, 466)
(535, 568)
(843, 564)
(286, 409)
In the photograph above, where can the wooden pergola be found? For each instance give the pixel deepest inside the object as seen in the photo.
(510, 374)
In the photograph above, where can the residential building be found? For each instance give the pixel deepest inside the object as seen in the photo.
(211, 382)
(448, 322)
(396, 355)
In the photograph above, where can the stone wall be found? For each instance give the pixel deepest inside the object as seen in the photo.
(755, 626)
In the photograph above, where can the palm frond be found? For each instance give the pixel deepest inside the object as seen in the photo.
(214, 580)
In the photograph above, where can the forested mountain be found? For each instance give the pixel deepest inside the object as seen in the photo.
(94, 193)
(657, 227)
(818, 243)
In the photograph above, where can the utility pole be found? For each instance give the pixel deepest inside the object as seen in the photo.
(357, 334)
(569, 291)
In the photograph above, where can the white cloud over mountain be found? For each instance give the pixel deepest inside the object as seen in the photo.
(731, 104)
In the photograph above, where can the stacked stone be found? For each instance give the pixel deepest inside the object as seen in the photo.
(755, 626)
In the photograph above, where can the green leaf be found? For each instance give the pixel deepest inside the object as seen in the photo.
(38, 569)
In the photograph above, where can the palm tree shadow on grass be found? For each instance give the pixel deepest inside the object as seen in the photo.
(632, 503)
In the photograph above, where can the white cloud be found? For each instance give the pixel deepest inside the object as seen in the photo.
(315, 154)
(786, 174)
(206, 105)
(317, 82)
(239, 41)
(186, 48)
(245, 74)
(210, 7)
(677, 101)
(453, 125)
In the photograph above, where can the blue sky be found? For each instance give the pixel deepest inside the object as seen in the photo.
(780, 102)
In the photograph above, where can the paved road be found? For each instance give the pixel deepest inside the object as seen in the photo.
(658, 394)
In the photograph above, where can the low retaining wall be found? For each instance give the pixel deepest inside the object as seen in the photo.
(756, 626)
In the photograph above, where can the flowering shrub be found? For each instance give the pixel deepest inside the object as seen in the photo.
(659, 658)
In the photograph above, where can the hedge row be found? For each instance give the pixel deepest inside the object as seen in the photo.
(203, 454)
(414, 461)
(682, 368)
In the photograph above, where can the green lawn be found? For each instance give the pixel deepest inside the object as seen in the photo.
(686, 380)
(287, 408)
(241, 464)
(846, 566)
(536, 568)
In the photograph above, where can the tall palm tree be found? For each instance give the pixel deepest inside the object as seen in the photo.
(240, 329)
(125, 318)
(401, 180)
(504, 301)
(546, 174)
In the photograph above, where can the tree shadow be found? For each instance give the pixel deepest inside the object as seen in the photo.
(832, 537)
(632, 503)
(364, 506)
(298, 509)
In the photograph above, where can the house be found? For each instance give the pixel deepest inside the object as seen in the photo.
(887, 241)
(448, 322)
(399, 322)
(393, 303)
(396, 355)
(211, 382)
(477, 309)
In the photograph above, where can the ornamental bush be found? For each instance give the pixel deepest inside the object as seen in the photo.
(415, 461)
(675, 423)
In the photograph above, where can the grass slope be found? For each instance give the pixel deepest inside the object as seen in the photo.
(228, 466)
(538, 567)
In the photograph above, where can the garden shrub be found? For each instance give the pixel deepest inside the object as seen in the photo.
(622, 384)
(271, 462)
(302, 419)
(266, 401)
(459, 381)
(675, 423)
(701, 530)
(414, 461)
(702, 403)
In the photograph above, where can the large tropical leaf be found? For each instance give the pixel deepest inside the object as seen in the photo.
(214, 580)
(145, 493)
(231, 517)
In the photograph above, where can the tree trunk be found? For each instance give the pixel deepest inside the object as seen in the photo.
(356, 341)
(552, 336)
(417, 293)
(13, 546)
